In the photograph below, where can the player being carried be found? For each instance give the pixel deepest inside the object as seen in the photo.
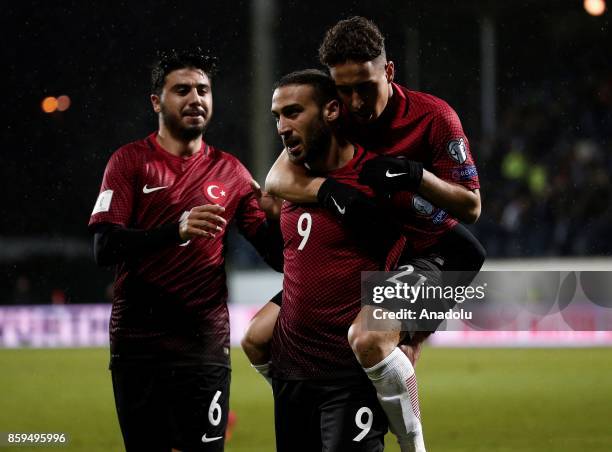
(436, 177)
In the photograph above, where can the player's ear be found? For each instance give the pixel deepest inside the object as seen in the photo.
(331, 110)
(156, 102)
(389, 71)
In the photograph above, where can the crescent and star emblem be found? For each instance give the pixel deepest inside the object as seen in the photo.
(214, 191)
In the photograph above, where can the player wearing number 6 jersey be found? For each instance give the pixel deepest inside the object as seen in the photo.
(161, 219)
(323, 399)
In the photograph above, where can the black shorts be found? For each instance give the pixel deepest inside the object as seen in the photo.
(414, 271)
(454, 261)
(160, 408)
(328, 415)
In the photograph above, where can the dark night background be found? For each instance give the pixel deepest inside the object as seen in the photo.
(545, 173)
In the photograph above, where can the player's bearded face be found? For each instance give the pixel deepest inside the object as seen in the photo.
(312, 141)
(177, 126)
(185, 105)
(300, 123)
(317, 139)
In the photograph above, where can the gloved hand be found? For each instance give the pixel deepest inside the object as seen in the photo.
(391, 174)
(372, 225)
(339, 198)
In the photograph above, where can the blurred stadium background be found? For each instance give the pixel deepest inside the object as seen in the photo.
(531, 81)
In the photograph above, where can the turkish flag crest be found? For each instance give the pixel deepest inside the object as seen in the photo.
(215, 192)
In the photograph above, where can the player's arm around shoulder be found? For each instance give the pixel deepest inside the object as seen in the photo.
(452, 183)
(447, 178)
(292, 182)
(460, 202)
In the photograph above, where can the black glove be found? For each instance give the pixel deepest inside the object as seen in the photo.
(372, 226)
(390, 174)
(340, 199)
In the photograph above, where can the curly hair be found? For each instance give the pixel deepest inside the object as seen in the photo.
(173, 59)
(323, 85)
(353, 39)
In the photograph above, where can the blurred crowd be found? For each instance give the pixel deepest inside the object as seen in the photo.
(546, 181)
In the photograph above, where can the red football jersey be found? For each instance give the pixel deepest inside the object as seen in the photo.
(424, 128)
(321, 287)
(170, 306)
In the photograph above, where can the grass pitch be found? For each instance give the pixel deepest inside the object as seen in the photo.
(471, 400)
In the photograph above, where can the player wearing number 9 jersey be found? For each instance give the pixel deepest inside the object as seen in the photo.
(426, 157)
(323, 399)
(323, 262)
(160, 218)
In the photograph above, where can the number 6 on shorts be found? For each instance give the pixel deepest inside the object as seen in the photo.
(364, 426)
(214, 410)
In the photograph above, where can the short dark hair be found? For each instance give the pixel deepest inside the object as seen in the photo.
(323, 84)
(354, 39)
(173, 59)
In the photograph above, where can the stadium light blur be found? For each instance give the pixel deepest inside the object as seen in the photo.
(49, 104)
(63, 103)
(595, 7)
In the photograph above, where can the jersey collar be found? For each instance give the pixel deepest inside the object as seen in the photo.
(155, 146)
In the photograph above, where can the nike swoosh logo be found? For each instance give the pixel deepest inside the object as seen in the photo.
(210, 440)
(146, 189)
(340, 209)
(388, 174)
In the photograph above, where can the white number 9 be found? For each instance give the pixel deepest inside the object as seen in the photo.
(304, 231)
(364, 426)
